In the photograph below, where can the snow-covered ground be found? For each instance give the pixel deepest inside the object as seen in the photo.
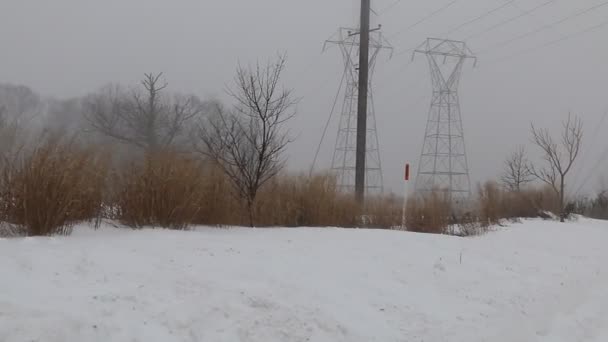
(536, 281)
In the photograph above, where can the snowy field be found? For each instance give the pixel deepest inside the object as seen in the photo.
(536, 281)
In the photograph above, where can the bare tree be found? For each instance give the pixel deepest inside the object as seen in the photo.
(559, 156)
(145, 119)
(19, 102)
(248, 142)
(517, 170)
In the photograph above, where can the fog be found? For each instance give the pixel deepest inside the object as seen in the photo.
(69, 48)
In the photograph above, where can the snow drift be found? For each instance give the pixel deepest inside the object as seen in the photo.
(536, 281)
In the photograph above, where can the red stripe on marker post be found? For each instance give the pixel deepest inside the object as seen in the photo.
(407, 172)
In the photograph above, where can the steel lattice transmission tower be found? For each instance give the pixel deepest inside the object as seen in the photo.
(344, 157)
(443, 164)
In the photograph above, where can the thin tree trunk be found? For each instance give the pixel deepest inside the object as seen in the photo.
(250, 209)
(561, 200)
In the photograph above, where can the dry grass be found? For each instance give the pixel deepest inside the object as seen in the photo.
(491, 203)
(433, 214)
(218, 204)
(59, 183)
(316, 201)
(384, 212)
(429, 214)
(163, 190)
(495, 203)
(174, 192)
(306, 201)
(53, 187)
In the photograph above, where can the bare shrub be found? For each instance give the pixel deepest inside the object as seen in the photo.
(55, 186)
(163, 190)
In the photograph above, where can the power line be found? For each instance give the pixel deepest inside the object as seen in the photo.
(599, 161)
(398, 74)
(597, 164)
(480, 17)
(402, 52)
(577, 173)
(429, 16)
(490, 12)
(395, 74)
(510, 20)
(389, 7)
(543, 28)
(550, 43)
(556, 41)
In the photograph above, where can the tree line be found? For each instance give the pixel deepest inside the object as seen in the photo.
(246, 139)
(147, 129)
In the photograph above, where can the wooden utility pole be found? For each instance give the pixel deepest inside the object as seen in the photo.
(362, 104)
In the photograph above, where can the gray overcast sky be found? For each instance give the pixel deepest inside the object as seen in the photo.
(65, 48)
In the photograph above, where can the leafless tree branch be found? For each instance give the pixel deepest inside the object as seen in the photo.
(558, 158)
(518, 171)
(146, 119)
(248, 142)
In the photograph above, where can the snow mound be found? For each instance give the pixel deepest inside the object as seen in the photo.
(536, 281)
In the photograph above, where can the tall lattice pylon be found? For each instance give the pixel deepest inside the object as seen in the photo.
(443, 164)
(344, 157)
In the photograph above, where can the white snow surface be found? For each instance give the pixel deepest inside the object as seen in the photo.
(535, 281)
